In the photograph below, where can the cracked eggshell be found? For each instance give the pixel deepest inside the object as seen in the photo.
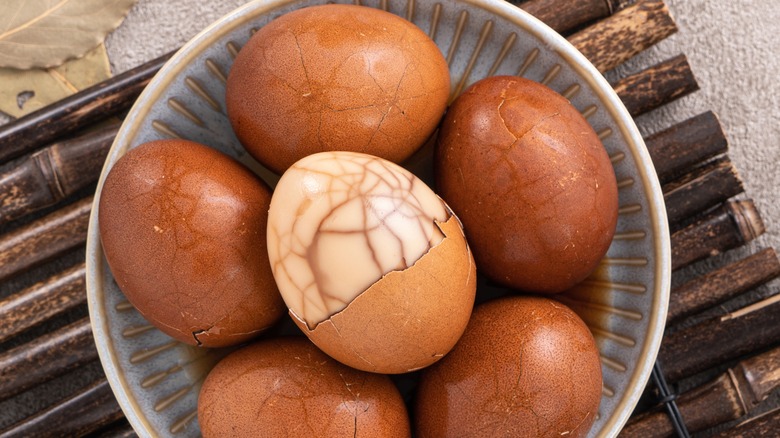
(182, 227)
(336, 77)
(408, 319)
(531, 181)
(287, 387)
(525, 366)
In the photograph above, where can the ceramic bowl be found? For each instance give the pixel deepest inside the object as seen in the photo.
(156, 380)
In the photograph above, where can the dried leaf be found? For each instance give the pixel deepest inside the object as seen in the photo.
(24, 91)
(45, 33)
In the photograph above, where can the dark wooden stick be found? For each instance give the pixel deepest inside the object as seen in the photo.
(79, 110)
(680, 147)
(83, 413)
(721, 339)
(764, 425)
(565, 16)
(703, 188)
(45, 358)
(45, 238)
(616, 39)
(722, 284)
(730, 396)
(757, 377)
(656, 86)
(54, 173)
(729, 226)
(42, 301)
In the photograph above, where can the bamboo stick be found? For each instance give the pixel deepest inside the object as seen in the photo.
(728, 397)
(701, 189)
(45, 358)
(656, 86)
(54, 173)
(729, 226)
(79, 415)
(765, 425)
(720, 339)
(79, 110)
(45, 238)
(722, 284)
(616, 39)
(565, 16)
(682, 146)
(42, 301)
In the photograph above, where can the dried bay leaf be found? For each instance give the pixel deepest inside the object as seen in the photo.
(24, 91)
(46, 33)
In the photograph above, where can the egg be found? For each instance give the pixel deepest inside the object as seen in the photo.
(336, 77)
(525, 366)
(182, 228)
(371, 263)
(531, 181)
(286, 387)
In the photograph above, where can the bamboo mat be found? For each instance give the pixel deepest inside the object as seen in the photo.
(664, 62)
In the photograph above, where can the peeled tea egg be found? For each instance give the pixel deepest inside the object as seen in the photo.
(372, 265)
(336, 77)
(182, 227)
(286, 387)
(531, 181)
(525, 366)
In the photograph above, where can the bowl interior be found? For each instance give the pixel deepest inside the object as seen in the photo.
(156, 380)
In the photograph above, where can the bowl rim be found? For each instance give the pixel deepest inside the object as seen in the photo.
(249, 11)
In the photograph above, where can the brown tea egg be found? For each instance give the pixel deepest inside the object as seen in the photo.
(286, 387)
(525, 366)
(531, 181)
(182, 227)
(336, 77)
(372, 265)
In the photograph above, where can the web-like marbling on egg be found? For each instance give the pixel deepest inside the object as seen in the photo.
(354, 219)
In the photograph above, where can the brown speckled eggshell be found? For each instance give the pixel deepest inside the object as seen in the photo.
(183, 230)
(336, 77)
(531, 181)
(286, 387)
(526, 366)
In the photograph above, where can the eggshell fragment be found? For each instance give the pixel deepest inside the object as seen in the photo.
(286, 387)
(182, 227)
(409, 319)
(336, 77)
(531, 181)
(525, 366)
(371, 263)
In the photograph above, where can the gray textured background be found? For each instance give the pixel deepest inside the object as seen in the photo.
(731, 46)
